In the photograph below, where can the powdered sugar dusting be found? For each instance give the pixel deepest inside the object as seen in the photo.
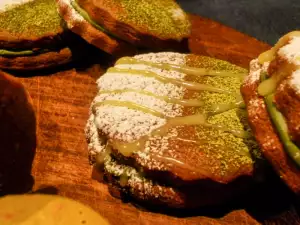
(291, 51)
(254, 76)
(96, 145)
(177, 14)
(295, 81)
(71, 14)
(125, 124)
(253, 105)
(121, 81)
(8, 4)
(170, 110)
(163, 57)
(161, 72)
(157, 146)
(255, 70)
(257, 102)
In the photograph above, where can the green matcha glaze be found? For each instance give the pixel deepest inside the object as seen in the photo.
(4, 52)
(86, 16)
(35, 18)
(234, 152)
(163, 18)
(281, 126)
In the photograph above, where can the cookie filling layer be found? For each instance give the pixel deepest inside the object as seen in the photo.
(11, 53)
(281, 126)
(287, 51)
(86, 16)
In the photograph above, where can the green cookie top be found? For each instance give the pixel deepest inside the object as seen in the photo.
(236, 150)
(161, 17)
(164, 19)
(32, 19)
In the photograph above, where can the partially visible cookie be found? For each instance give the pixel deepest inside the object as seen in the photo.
(119, 27)
(272, 95)
(177, 124)
(37, 209)
(17, 136)
(33, 36)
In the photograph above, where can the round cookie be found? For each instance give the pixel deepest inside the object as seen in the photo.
(271, 93)
(17, 136)
(110, 25)
(205, 150)
(33, 36)
(47, 210)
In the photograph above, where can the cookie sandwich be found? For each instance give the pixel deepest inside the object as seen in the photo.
(170, 129)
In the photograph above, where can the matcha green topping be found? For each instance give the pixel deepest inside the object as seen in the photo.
(86, 16)
(279, 122)
(163, 18)
(234, 152)
(34, 18)
(4, 52)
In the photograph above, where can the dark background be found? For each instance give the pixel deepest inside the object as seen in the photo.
(265, 20)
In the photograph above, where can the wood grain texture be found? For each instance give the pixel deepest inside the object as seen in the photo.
(62, 101)
(216, 40)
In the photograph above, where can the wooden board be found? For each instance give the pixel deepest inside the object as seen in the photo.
(62, 103)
